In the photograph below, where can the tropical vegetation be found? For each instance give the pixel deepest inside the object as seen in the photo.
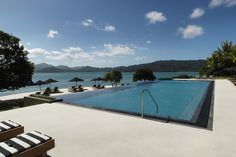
(222, 62)
(144, 74)
(114, 77)
(15, 68)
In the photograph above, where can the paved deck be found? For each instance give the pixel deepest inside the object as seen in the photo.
(91, 133)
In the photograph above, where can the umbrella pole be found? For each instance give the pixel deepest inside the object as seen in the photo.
(76, 84)
(40, 88)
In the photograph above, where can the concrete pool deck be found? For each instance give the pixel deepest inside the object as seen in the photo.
(86, 132)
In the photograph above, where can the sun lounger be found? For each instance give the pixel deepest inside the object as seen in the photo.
(56, 90)
(47, 91)
(72, 89)
(98, 86)
(80, 88)
(9, 129)
(32, 144)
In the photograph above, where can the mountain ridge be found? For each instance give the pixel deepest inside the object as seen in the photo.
(158, 66)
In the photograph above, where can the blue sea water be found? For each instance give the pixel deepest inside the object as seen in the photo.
(63, 79)
(177, 100)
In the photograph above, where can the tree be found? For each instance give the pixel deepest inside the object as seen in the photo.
(222, 58)
(114, 77)
(107, 77)
(15, 68)
(144, 74)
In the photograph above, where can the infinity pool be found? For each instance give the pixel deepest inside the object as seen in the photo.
(178, 100)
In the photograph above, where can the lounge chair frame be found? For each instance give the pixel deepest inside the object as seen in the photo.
(39, 150)
(7, 134)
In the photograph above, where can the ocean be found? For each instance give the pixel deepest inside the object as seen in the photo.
(63, 79)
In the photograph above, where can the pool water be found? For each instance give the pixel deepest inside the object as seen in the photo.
(178, 100)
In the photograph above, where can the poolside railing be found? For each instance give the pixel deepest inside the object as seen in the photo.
(142, 101)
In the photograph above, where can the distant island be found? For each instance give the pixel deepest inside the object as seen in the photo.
(157, 66)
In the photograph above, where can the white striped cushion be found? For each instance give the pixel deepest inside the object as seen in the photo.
(4, 126)
(9, 149)
(1, 155)
(40, 135)
(20, 142)
(34, 140)
(12, 123)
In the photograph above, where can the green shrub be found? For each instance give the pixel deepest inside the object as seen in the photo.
(144, 74)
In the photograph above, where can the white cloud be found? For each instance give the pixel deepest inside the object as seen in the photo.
(37, 52)
(198, 12)
(52, 33)
(76, 55)
(73, 49)
(155, 16)
(87, 22)
(148, 42)
(114, 50)
(217, 3)
(109, 28)
(91, 23)
(191, 31)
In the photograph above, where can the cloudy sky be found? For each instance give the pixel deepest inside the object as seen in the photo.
(118, 32)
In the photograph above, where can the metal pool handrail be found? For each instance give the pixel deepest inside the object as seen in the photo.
(142, 101)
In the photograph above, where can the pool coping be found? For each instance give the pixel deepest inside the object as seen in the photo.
(203, 120)
(205, 117)
(200, 105)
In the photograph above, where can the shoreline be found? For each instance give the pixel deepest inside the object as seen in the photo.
(63, 90)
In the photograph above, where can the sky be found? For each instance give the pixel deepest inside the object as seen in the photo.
(109, 33)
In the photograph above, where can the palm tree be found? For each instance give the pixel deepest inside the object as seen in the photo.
(224, 57)
(233, 55)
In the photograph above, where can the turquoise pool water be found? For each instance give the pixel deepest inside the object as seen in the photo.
(178, 100)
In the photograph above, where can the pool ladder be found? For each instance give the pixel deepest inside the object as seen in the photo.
(142, 101)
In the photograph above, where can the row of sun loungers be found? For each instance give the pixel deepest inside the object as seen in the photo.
(98, 86)
(49, 91)
(205, 77)
(76, 89)
(73, 89)
(13, 143)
